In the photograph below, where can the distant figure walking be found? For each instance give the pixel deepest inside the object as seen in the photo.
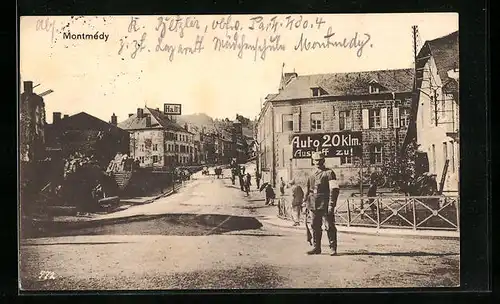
(282, 186)
(242, 182)
(247, 183)
(297, 199)
(270, 195)
(257, 178)
(234, 173)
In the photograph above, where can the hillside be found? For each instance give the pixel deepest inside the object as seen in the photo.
(197, 121)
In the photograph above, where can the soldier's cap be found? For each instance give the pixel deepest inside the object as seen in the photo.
(318, 156)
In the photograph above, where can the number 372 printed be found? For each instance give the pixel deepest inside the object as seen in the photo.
(46, 275)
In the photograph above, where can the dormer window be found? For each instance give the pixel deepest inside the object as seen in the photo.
(374, 89)
(315, 92)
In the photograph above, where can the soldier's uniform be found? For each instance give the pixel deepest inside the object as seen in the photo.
(321, 198)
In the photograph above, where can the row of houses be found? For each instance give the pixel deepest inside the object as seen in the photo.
(150, 137)
(388, 108)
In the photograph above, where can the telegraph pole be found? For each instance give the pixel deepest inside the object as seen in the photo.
(414, 36)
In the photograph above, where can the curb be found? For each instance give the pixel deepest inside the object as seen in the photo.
(421, 234)
(90, 222)
(154, 198)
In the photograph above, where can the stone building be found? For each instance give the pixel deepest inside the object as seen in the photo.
(87, 135)
(375, 103)
(437, 108)
(157, 141)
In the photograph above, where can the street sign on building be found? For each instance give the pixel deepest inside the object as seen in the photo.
(331, 144)
(172, 108)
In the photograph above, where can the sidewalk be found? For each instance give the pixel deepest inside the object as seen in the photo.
(432, 234)
(277, 221)
(100, 217)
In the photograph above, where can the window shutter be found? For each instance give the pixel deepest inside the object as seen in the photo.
(279, 123)
(383, 117)
(366, 123)
(296, 122)
(395, 117)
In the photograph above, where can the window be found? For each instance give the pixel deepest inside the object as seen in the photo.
(315, 91)
(316, 121)
(376, 154)
(155, 159)
(287, 122)
(405, 117)
(141, 158)
(176, 148)
(374, 89)
(345, 120)
(155, 147)
(141, 148)
(375, 121)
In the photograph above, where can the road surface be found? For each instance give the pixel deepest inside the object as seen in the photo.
(211, 236)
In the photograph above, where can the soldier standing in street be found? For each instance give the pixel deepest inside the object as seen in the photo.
(321, 199)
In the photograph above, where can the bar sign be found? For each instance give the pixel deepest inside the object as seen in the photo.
(172, 108)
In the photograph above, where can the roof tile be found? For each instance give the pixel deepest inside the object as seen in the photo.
(355, 83)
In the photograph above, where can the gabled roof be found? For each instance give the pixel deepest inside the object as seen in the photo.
(341, 84)
(85, 121)
(158, 121)
(270, 96)
(445, 52)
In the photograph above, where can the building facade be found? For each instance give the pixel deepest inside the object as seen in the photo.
(437, 108)
(31, 125)
(87, 135)
(376, 103)
(156, 141)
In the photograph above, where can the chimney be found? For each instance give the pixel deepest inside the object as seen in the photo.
(148, 120)
(56, 117)
(130, 114)
(140, 113)
(114, 120)
(65, 116)
(28, 87)
(186, 127)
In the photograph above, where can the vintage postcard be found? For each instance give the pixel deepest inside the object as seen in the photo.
(239, 152)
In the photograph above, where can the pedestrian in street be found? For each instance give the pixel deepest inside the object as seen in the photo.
(242, 181)
(282, 186)
(257, 178)
(297, 199)
(270, 195)
(233, 175)
(321, 195)
(248, 183)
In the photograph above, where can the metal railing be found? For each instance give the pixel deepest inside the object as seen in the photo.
(402, 212)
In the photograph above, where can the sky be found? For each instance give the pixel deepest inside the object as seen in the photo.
(100, 77)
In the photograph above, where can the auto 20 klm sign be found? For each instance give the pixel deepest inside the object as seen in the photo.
(331, 144)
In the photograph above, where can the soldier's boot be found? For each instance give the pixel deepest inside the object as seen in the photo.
(316, 243)
(333, 249)
(332, 238)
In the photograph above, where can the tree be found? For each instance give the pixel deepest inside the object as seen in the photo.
(401, 171)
